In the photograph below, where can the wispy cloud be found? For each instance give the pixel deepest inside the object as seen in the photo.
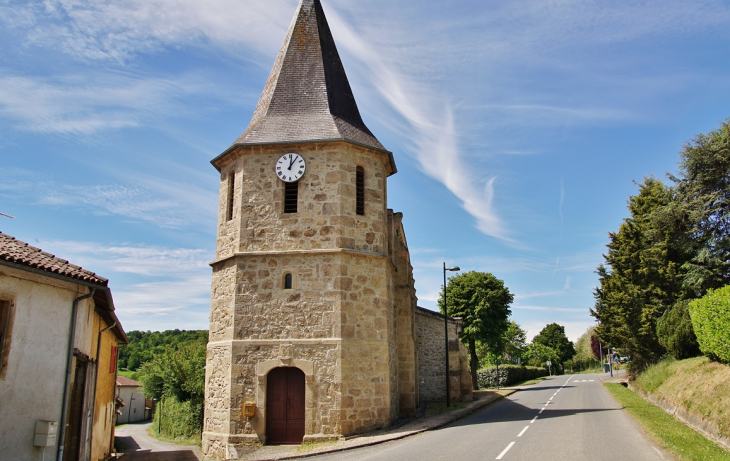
(434, 137)
(177, 279)
(148, 261)
(424, 65)
(119, 30)
(158, 205)
(80, 105)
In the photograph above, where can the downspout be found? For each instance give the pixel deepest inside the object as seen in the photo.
(96, 381)
(67, 382)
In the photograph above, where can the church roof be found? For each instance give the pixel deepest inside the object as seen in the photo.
(307, 96)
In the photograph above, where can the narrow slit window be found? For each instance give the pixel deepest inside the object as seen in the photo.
(4, 335)
(291, 197)
(231, 191)
(287, 281)
(360, 191)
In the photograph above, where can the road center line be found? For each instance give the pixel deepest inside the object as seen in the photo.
(533, 420)
(523, 431)
(504, 452)
(543, 409)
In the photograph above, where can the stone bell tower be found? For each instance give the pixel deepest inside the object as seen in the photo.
(302, 323)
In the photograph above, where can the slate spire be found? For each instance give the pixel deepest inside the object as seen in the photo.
(307, 96)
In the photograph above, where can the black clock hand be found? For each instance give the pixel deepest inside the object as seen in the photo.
(291, 162)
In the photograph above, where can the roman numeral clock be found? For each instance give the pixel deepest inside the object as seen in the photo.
(290, 167)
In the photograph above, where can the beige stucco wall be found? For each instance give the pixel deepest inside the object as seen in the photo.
(133, 410)
(33, 386)
(104, 405)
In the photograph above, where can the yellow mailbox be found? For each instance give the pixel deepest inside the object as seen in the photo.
(249, 409)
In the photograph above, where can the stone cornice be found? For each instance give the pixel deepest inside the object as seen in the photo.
(319, 251)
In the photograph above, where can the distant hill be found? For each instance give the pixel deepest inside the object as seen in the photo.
(143, 345)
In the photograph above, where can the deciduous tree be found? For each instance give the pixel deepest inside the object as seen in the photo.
(482, 301)
(553, 336)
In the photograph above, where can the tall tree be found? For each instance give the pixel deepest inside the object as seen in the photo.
(482, 301)
(584, 350)
(702, 203)
(641, 277)
(553, 336)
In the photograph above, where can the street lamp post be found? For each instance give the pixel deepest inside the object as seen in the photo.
(446, 336)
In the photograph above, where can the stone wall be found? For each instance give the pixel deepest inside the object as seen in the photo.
(326, 216)
(432, 358)
(405, 323)
(337, 321)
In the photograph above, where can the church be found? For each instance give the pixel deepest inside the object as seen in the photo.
(315, 332)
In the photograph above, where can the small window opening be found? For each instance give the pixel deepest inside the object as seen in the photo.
(4, 335)
(287, 281)
(231, 191)
(360, 191)
(291, 197)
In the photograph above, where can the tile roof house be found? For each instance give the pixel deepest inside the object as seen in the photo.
(136, 406)
(58, 349)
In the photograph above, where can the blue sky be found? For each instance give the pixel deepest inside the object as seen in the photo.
(518, 129)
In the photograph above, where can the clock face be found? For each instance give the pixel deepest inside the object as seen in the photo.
(290, 167)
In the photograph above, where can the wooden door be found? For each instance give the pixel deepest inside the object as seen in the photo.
(285, 406)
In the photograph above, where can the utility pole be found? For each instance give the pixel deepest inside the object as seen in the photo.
(600, 352)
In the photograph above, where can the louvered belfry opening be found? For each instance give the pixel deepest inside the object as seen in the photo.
(291, 197)
(360, 191)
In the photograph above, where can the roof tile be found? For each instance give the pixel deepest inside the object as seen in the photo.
(17, 252)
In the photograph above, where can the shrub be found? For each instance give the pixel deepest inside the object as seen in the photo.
(507, 375)
(180, 420)
(711, 322)
(674, 331)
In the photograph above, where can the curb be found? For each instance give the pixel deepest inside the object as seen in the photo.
(435, 423)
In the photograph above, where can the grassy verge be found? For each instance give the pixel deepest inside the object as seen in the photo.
(669, 433)
(697, 385)
(195, 440)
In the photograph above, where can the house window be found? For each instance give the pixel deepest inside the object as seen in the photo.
(231, 191)
(291, 197)
(360, 191)
(287, 281)
(6, 321)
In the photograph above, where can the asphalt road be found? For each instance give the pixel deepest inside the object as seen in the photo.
(563, 418)
(138, 446)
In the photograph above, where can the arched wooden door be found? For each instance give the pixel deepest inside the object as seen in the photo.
(285, 406)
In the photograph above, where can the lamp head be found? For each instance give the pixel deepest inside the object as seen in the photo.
(453, 269)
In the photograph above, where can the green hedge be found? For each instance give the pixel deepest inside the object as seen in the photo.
(507, 375)
(711, 322)
(179, 419)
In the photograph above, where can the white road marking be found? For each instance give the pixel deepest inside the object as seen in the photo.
(523, 431)
(504, 452)
(543, 409)
(533, 420)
